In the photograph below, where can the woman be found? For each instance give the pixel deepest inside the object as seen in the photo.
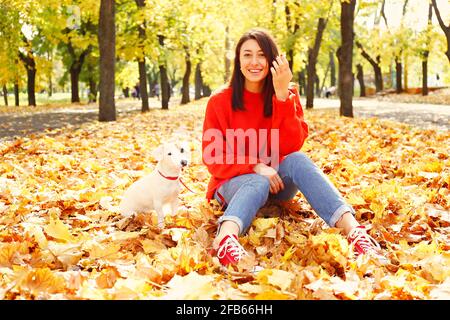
(252, 133)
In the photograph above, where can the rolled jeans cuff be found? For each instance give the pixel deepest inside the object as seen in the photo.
(338, 214)
(235, 219)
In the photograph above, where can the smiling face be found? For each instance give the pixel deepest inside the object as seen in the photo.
(254, 65)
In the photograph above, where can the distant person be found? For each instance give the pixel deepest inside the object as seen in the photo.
(156, 90)
(137, 91)
(331, 91)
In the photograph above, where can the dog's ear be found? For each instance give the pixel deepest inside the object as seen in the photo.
(158, 152)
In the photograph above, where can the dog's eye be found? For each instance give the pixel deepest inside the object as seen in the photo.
(169, 154)
(181, 150)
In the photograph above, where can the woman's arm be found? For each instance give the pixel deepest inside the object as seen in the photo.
(221, 162)
(287, 117)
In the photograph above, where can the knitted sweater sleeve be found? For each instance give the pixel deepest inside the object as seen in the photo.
(221, 161)
(287, 117)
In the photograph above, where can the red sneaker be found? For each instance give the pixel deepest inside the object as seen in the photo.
(362, 242)
(230, 251)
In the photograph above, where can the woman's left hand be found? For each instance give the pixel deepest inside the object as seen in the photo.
(281, 76)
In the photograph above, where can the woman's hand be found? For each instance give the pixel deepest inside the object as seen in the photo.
(281, 76)
(276, 184)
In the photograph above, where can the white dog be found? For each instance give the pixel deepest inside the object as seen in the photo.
(159, 190)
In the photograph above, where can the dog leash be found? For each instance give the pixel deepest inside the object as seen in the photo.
(176, 178)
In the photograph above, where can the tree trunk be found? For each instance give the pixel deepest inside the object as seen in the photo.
(75, 70)
(92, 90)
(152, 81)
(345, 57)
(50, 85)
(360, 77)
(425, 55)
(107, 41)
(30, 65)
(317, 86)
(398, 75)
(5, 94)
(50, 79)
(31, 86)
(292, 28)
(165, 92)
(444, 28)
(198, 81)
(332, 70)
(378, 76)
(375, 65)
(425, 75)
(290, 58)
(141, 64)
(143, 86)
(16, 94)
(302, 81)
(74, 80)
(227, 55)
(312, 61)
(405, 74)
(187, 74)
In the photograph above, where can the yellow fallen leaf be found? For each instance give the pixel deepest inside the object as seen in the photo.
(264, 224)
(279, 278)
(356, 200)
(41, 280)
(200, 287)
(100, 250)
(58, 230)
(288, 254)
(272, 295)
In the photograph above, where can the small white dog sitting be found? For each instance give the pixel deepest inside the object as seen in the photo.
(159, 190)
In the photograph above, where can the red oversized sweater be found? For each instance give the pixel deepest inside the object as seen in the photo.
(287, 117)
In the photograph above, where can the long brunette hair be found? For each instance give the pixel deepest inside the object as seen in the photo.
(270, 50)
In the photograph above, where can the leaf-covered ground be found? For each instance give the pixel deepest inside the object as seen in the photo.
(60, 237)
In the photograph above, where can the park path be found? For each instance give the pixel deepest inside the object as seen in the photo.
(425, 116)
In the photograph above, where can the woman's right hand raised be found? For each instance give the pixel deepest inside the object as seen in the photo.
(276, 184)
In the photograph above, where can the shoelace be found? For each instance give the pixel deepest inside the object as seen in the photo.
(366, 242)
(232, 246)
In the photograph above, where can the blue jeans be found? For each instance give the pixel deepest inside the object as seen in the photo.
(244, 195)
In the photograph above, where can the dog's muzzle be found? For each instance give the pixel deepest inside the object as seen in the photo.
(183, 163)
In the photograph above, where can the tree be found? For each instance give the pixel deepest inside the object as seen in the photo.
(345, 58)
(444, 28)
(360, 77)
(165, 90)
(28, 60)
(292, 27)
(312, 60)
(185, 89)
(107, 41)
(376, 64)
(426, 52)
(141, 62)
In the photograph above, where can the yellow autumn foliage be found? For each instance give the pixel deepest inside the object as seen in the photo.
(61, 236)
